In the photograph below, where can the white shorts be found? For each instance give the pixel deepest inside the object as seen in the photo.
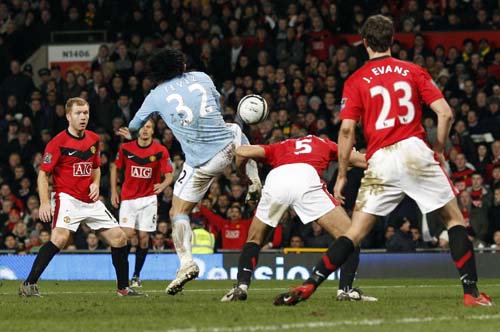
(407, 167)
(298, 186)
(139, 213)
(194, 182)
(69, 212)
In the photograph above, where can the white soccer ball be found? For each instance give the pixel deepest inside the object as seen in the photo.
(253, 109)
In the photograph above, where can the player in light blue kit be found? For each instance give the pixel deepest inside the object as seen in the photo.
(189, 104)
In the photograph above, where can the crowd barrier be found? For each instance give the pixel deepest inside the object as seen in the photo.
(223, 266)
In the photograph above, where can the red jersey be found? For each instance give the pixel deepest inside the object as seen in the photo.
(386, 94)
(71, 159)
(312, 150)
(234, 233)
(320, 42)
(476, 197)
(462, 179)
(143, 168)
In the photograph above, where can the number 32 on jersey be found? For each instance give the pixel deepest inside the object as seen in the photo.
(183, 110)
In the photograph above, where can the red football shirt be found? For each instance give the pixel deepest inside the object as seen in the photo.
(234, 233)
(462, 179)
(71, 159)
(386, 94)
(143, 168)
(312, 150)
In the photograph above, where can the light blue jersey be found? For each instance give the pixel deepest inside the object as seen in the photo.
(189, 105)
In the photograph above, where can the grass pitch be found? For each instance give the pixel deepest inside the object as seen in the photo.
(404, 305)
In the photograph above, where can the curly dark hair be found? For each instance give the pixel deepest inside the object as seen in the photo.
(166, 64)
(378, 32)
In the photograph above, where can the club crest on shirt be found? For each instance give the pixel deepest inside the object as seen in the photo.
(67, 219)
(152, 158)
(92, 149)
(47, 158)
(124, 220)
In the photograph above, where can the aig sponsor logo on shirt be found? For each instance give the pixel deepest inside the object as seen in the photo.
(142, 172)
(82, 169)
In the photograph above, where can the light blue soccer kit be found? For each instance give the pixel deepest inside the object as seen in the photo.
(189, 105)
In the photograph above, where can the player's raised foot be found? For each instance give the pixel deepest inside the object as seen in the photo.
(29, 290)
(482, 300)
(296, 295)
(354, 294)
(135, 282)
(237, 293)
(182, 276)
(130, 292)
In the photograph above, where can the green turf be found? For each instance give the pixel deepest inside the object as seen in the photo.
(404, 305)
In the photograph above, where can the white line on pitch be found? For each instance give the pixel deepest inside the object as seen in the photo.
(255, 289)
(362, 322)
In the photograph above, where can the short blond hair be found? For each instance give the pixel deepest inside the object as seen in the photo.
(74, 101)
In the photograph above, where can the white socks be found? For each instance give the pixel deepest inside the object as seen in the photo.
(181, 234)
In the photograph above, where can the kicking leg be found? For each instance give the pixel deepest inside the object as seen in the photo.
(336, 255)
(337, 222)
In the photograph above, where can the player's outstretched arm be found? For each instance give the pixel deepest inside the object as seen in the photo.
(113, 177)
(148, 108)
(245, 152)
(445, 120)
(45, 210)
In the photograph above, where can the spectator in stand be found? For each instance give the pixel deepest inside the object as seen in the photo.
(93, 242)
(317, 237)
(476, 219)
(159, 241)
(494, 212)
(496, 240)
(233, 231)
(402, 240)
(462, 176)
(17, 84)
(296, 241)
(43, 238)
(10, 242)
(480, 195)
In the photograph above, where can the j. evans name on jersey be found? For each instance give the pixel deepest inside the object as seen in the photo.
(389, 69)
(381, 70)
(141, 172)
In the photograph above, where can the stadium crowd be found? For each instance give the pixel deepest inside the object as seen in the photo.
(287, 51)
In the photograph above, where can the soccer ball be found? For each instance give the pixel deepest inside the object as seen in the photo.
(253, 109)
